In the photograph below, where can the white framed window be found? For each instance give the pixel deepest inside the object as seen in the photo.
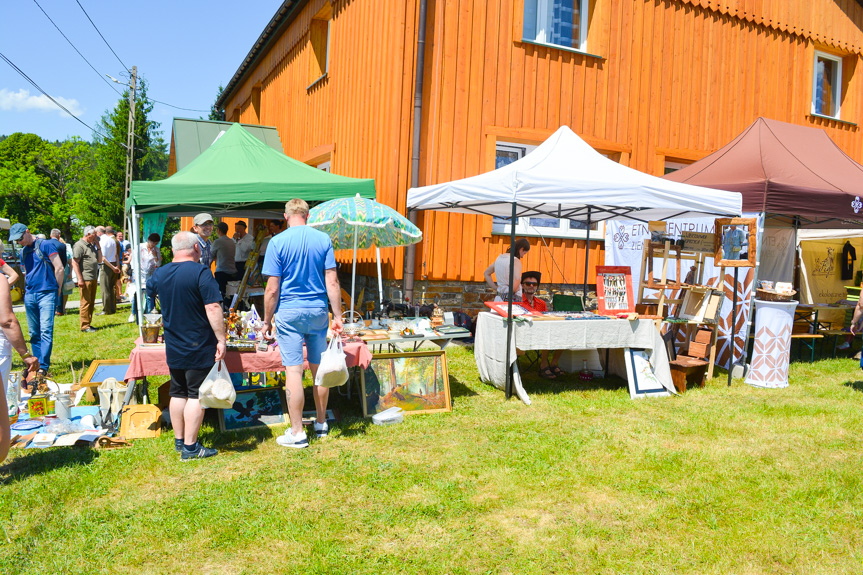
(538, 226)
(325, 166)
(827, 85)
(557, 22)
(674, 165)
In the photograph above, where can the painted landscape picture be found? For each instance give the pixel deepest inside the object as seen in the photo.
(416, 382)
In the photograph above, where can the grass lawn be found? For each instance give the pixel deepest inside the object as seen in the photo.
(720, 480)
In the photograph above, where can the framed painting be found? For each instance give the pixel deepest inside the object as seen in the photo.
(416, 382)
(257, 408)
(100, 370)
(614, 290)
(640, 375)
(734, 242)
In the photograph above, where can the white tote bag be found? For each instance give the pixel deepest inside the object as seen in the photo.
(333, 369)
(217, 390)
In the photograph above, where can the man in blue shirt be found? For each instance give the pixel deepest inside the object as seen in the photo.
(301, 270)
(194, 337)
(43, 278)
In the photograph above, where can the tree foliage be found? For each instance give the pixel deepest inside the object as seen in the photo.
(43, 184)
(216, 113)
(105, 202)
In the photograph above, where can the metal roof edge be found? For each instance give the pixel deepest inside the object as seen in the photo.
(283, 17)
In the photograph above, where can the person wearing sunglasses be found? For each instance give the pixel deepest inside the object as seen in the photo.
(529, 285)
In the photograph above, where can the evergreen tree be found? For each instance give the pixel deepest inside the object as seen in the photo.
(105, 203)
(216, 113)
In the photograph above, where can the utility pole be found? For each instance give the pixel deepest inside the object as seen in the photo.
(130, 147)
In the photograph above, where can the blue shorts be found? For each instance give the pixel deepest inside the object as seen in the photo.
(295, 325)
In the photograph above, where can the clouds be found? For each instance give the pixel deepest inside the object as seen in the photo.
(23, 101)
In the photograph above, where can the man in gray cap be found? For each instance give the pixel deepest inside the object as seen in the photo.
(204, 229)
(43, 278)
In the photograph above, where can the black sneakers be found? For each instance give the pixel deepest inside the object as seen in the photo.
(199, 453)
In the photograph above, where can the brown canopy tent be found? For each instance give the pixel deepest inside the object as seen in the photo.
(785, 169)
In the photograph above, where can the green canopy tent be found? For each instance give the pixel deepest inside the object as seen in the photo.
(238, 174)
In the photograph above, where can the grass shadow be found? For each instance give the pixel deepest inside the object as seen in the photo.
(34, 462)
(458, 389)
(353, 426)
(533, 384)
(855, 385)
(240, 440)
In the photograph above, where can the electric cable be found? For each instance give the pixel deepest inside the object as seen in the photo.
(125, 67)
(101, 76)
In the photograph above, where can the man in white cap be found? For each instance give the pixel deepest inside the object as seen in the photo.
(204, 229)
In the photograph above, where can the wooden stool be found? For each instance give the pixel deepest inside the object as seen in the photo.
(687, 370)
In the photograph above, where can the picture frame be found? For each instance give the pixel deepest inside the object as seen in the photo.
(417, 382)
(100, 370)
(701, 304)
(264, 407)
(641, 379)
(665, 249)
(735, 242)
(614, 290)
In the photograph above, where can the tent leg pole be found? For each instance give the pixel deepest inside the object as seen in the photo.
(509, 374)
(136, 276)
(762, 224)
(586, 259)
(733, 326)
(353, 279)
(380, 279)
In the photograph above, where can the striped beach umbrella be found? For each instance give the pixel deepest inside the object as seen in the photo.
(361, 223)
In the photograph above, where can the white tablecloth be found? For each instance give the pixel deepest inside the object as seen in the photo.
(614, 334)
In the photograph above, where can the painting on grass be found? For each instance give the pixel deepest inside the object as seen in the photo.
(416, 382)
(257, 380)
(254, 409)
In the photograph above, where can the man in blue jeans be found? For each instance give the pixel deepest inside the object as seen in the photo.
(43, 279)
(301, 270)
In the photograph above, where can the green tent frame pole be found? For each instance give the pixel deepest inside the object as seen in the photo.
(509, 373)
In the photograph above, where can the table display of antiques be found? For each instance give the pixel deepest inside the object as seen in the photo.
(245, 331)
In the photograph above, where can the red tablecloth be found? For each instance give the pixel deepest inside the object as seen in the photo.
(146, 361)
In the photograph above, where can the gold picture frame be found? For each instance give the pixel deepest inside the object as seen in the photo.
(417, 382)
(735, 242)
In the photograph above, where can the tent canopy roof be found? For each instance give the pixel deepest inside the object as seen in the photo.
(241, 173)
(785, 169)
(564, 178)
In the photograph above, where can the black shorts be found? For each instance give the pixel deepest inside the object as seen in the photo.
(185, 383)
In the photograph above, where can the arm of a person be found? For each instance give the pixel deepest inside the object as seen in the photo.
(516, 276)
(487, 275)
(858, 316)
(77, 269)
(12, 329)
(217, 322)
(59, 272)
(271, 302)
(334, 293)
(11, 274)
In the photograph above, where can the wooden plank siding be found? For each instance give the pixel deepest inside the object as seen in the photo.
(673, 80)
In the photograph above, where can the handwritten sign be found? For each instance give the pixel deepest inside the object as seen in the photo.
(697, 242)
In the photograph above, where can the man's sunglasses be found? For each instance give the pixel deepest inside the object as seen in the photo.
(530, 283)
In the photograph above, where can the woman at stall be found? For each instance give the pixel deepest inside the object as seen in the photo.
(10, 338)
(500, 269)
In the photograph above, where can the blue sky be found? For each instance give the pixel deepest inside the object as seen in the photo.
(183, 48)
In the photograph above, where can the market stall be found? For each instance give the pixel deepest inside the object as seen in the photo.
(565, 178)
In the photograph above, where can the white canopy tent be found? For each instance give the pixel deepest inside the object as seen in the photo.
(565, 178)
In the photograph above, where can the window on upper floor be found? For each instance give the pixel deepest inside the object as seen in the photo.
(319, 44)
(537, 226)
(557, 22)
(827, 85)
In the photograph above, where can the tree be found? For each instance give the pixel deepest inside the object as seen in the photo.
(216, 113)
(105, 203)
(43, 184)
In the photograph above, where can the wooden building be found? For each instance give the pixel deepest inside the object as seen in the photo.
(651, 83)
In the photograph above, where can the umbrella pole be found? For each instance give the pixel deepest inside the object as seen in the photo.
(508, 386)
(353, 277)
(586, 260)
(380, 280)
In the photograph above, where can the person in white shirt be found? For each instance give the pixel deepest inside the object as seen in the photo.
(151, 258)
(245, 242)
(110, 270)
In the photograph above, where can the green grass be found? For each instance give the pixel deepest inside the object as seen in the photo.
(585, 480)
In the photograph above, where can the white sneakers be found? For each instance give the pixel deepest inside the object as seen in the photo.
(289, 439)
(132, 318)
(322, 429)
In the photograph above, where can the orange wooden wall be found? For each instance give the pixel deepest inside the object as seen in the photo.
(675, 79)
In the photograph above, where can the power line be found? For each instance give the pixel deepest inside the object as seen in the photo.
(59, 105)
(110, 85)
(177, 107)
(125, 67)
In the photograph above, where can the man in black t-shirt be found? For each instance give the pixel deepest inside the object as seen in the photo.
(194, 336)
